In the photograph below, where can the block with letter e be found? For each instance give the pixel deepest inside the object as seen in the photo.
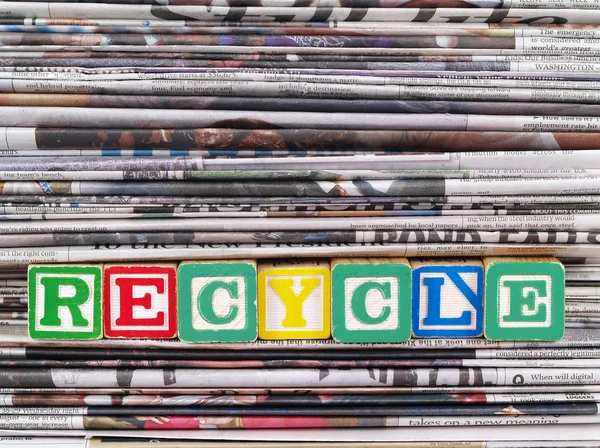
(65, 301)
(217, 301)
(370, 299)
(524, 299)
(294, 300)
(447, 298)
(140, 300)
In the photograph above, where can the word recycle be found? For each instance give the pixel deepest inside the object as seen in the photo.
(352, 299)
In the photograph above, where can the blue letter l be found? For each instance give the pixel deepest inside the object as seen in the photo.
(434, 288)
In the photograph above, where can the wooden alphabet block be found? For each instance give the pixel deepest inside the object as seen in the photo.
(447, 298)
(65, 301)
(140, 300)
(217, 301)
(524, 299)
(370, 299)
(294, 300)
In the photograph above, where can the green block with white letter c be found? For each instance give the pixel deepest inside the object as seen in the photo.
(524, 299)
(370, 299)
(217, 301)
(65, 301)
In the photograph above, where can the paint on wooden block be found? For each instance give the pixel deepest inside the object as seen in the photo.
(65, 301)
(217, 301)
(140, 301)
(294, 300)
(370, 299)
(524, 299)
(447, 298)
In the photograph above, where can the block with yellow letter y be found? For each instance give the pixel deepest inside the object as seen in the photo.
(524, 299)
(217, 301)
(65, 301)
(294, 299)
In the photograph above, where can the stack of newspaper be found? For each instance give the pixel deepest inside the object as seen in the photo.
(218, 129)
(461, 390)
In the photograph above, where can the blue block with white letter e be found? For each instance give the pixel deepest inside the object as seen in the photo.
(447, 298)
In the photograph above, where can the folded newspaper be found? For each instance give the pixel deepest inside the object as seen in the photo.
(181, 130)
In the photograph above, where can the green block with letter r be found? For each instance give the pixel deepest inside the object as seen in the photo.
(65, 301)
(524, 299)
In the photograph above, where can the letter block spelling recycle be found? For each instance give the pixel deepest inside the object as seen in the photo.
(524, 299)
(447, 298)
(370, 299)
(140, 300)
(354, 299)
(217, 301)
(65, 301)
(294, 299)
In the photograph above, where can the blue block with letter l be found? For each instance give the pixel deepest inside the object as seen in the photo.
(447, 298)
